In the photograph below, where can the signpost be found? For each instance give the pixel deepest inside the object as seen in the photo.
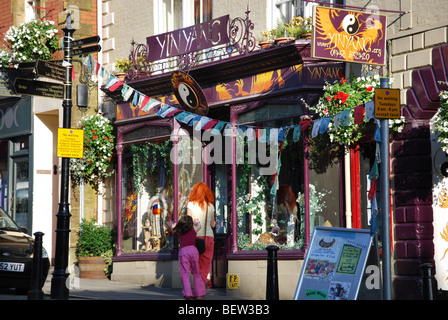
(39, 88)
(50, 70)
(84, 41)
(85, 50)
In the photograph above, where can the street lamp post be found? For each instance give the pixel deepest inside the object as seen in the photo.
(59, 289)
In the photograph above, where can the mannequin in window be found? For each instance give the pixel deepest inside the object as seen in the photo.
(286, 214)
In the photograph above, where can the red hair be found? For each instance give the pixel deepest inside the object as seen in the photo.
(201, 194)
(285, 195)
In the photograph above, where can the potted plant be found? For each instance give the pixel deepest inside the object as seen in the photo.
(123, 66)
(94, 250)
(299, 27)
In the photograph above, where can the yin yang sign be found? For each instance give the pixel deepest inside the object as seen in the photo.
(189, 93)
(350, 24)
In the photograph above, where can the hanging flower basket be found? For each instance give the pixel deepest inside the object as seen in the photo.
(30, 41)
(99, 145)
(346, 94)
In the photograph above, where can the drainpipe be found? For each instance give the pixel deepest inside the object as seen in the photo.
(348, 195)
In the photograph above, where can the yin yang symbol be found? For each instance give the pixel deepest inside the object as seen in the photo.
(188, 95)
(350, 24)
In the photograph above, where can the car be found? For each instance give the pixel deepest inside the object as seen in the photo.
(16, 256)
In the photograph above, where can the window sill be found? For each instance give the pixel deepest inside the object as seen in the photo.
(262, 255)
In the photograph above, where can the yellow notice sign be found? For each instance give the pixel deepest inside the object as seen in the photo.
(70, 143)
(233, 281)
(387, 103)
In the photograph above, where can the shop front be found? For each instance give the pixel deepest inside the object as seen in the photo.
(251, 148)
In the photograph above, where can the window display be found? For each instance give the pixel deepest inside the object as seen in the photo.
(148, 198)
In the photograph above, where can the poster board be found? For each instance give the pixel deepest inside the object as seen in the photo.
(335, 264)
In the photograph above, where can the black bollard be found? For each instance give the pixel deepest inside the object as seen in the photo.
(427, 281)
(35, 292)
(272, 274)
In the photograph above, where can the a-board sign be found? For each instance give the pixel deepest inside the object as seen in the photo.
(70, 143)
(335, 266)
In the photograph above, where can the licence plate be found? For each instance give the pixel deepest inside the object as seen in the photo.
(12, 266)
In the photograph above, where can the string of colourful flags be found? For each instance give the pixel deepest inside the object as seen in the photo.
(145, 103)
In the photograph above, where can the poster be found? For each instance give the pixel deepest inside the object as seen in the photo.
(334, 264)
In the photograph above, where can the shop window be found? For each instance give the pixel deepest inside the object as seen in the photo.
(268, 208)
(325, 186)
(267, 214)
(147, 198)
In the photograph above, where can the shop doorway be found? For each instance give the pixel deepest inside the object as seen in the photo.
(220, 185)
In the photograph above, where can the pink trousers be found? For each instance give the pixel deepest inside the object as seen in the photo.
(189, 261)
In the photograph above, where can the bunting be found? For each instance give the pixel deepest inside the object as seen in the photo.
(215, 127)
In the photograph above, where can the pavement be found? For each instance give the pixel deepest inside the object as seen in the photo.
(104, 289)
(107, 290)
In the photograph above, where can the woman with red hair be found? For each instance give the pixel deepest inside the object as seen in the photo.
(200, 206)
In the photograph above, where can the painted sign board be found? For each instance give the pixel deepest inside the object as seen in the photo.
(190, 39)
(387, 103)
(349, 36)
(335, 264)
(70, 143)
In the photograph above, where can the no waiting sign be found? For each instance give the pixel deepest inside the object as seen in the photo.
(70, 143)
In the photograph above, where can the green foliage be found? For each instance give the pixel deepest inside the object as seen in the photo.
(123, 65)
(146, 157)
(94, 240)
(99, 145)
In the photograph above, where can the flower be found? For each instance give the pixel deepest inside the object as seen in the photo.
(30, 41)
(440, 121)
(99, 144)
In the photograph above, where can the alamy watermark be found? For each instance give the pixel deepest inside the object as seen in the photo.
(233, 145)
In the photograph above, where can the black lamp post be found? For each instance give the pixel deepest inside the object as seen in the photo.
(59, 289)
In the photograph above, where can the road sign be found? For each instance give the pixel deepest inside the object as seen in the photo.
(387, 103)
(39, 88)
(50, 70)
(70, 143)
(84, 50)
(84, 41)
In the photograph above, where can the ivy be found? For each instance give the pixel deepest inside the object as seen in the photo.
(146, 157)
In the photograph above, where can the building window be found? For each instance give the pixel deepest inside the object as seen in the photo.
(284, 10)
(202, 10)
